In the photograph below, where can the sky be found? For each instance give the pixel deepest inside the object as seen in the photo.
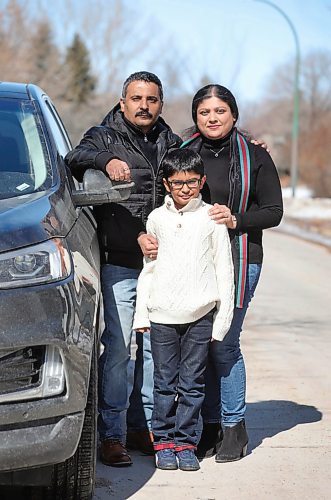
(238, 43)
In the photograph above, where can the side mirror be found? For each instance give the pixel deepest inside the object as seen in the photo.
(99, 189)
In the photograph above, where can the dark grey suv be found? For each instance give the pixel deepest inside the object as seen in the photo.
(49, 303)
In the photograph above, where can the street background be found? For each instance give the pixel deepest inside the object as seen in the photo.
(286, 343)
(80, 52)
(275, 56)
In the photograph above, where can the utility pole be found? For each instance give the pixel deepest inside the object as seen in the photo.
(296, 99)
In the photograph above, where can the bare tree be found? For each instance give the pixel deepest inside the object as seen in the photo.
(44, 61)
(272, 119)
(316, 84)
(13, 36)
(113, 32)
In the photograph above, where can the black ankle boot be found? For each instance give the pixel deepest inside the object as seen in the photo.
(210, 441)
(234, 444)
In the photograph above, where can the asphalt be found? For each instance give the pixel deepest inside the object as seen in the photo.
(286, 343)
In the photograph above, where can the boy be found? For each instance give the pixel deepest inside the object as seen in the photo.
(184, 297)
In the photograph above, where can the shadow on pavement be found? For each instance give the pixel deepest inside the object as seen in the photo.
(122, 483)
(267, 418)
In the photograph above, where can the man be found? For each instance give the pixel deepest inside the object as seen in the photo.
(129, 145)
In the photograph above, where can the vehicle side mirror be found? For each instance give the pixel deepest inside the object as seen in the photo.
(99, 189)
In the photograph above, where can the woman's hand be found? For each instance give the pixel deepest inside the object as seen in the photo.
(221, 214)
(262, 143)
(148, 245)
(143, 330)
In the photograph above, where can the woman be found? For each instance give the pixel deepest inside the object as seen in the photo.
(243, 185)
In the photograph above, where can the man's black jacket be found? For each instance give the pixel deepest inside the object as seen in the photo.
(120, 223)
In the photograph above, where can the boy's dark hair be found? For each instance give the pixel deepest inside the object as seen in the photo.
(144, 76)
(182, 160)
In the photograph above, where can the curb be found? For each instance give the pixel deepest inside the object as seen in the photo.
(298, 232)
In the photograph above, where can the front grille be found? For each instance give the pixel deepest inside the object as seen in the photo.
(21, 369)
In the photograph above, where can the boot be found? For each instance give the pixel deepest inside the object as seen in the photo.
(112, 452)
(140, 440)
(210, 441)
(234, 444)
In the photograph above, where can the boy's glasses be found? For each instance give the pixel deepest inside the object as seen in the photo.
(191, 184)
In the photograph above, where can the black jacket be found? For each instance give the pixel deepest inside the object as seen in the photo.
(265, 205)
(120, 223)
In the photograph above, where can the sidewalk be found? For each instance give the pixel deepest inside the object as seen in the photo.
(286, 342)
(308, 218)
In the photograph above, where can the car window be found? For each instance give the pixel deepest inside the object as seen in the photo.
(24, 159)
(59, 134)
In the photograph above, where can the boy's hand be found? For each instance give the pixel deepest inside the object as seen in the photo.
(143, 330)
(148, 245)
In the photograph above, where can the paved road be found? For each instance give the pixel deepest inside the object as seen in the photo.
(286, 342)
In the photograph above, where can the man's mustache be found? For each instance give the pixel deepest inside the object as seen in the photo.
(144, 113)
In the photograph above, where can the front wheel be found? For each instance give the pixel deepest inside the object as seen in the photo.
(74, 479)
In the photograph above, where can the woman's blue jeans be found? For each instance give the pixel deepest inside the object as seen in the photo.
(225, 398)
(119, 294)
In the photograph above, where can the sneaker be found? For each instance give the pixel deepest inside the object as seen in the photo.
(166, 459)
(187, 460)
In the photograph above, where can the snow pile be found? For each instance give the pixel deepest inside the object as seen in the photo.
(308, 218)
(308, 208)
(300, 192)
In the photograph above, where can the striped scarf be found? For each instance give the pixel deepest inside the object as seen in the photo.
(239, 150)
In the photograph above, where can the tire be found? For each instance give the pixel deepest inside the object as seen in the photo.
(74, 479)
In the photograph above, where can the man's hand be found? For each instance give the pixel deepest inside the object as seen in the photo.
(221, 214)
(148, 245)
(118, 170)
(143, 330)
(260, 142)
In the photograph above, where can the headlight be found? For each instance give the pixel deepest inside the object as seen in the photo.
(43, 263)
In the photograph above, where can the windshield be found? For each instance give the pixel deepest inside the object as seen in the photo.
(24, 160)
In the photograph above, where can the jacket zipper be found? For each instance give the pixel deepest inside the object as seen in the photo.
(154, 174)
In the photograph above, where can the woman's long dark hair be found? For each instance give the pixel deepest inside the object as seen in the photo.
(211, 90)
(215, 90)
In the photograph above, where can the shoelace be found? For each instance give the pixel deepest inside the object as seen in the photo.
(114, 441)
(167, 452)
(185, 454)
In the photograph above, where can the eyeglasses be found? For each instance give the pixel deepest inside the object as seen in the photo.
(191, 184)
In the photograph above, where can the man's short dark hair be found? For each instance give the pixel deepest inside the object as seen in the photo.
(143, 76)
(182, 160)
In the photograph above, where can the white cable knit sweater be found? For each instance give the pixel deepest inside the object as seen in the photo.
(193, 271)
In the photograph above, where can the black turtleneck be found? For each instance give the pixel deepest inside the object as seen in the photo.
(216, 155)
(265, 200)
(147, 142)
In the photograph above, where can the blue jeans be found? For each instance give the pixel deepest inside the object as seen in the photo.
(180, 356)
(119, 294)
(225, 398)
